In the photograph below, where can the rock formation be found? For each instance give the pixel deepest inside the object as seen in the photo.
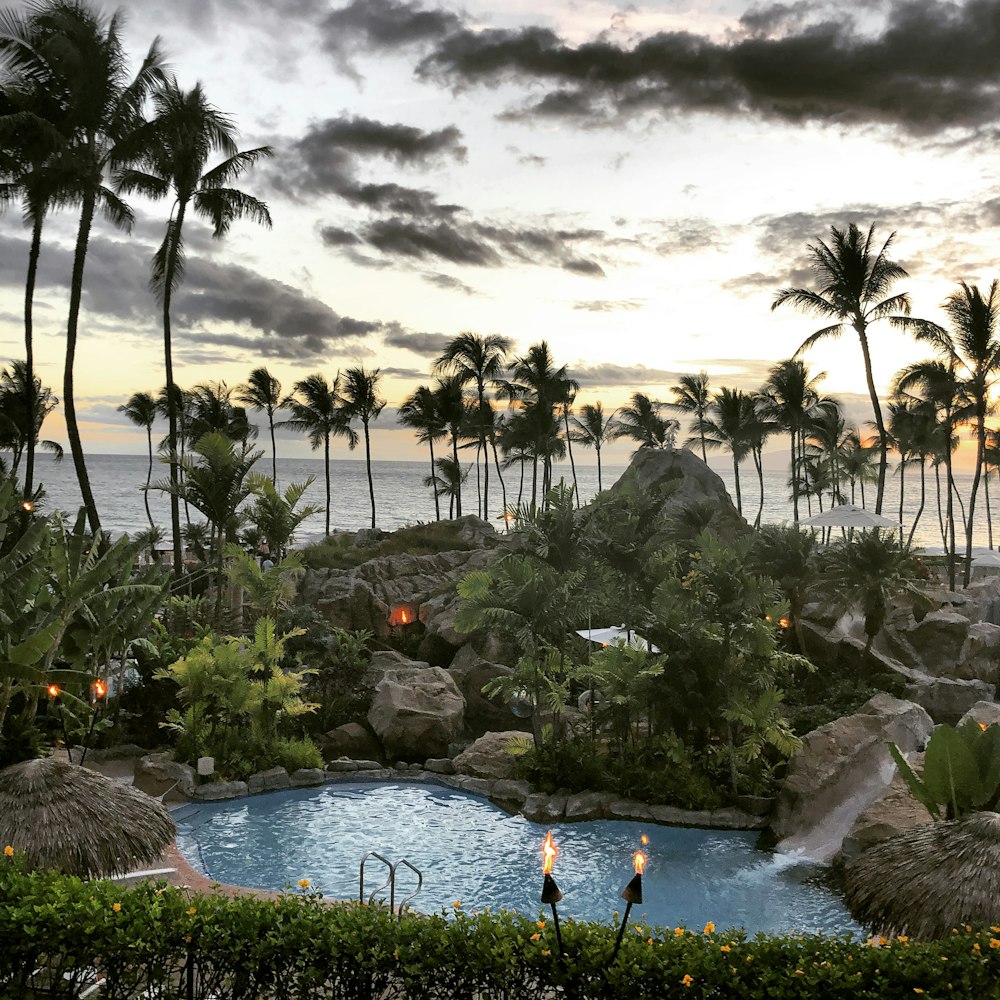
(417, 712)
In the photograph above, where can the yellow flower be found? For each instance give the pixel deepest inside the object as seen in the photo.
(546, 953)
(395, 954)
(457, 903)
(9, 851)
(996, 930)
(687, 980)
(116, 907)
(902, 938)
(725, 948)
(968, 928)
(540, 924)
(709, 928)
(304, 883)
(995, 942)
(192, 910)
(799, 972)
(678, 932)
(535, 937)
(649, 941)
(975, 947)
(917, 989)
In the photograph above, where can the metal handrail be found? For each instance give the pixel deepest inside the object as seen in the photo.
(361, 877)
(392, 889)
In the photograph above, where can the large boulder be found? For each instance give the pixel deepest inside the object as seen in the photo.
(684, 480)
(945, 698)
(351, 740)
(471, 672)
(159, 774)
(416, 712)
(489, 757)
(985, 712)
(939, 640)
(981, 655)
(842, 768)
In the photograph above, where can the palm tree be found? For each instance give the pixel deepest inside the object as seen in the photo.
(972, 351)
(319, 414)
(211, 409)
(479, 360)
(141, 410)
(856, 462)
(86, 66)
(449, 400)
(174, 149)
(570, 387)
(362, 401)
(757, 430)
(263, 392)
(641, 421)
(692, 395)
(419, 411)
(24, 406)
(854, 283)
(593, 429)
(446, 480)
(726, 424)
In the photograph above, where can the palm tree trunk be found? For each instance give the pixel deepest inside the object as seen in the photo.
(976, 476)
(600, 487)
(937, 481)
(736, 478)
(795, 479)
(69, 405)
(496, 462)
(368, 464)
(758, 461)
(950, 515)
(923, 497)
(989, 513)
(458, 472)
(274, 449)
(29, 350)
(437, 500)
(326, 469)
(572, 464)
(149, 474)
(883, 444)
(902, 493)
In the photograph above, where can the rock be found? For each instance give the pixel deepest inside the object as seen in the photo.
(939, 639)
(440, 765)
(730, 818)
(981, 655)
(218, 791)
(306, 777)
(489, 757)
(894, 812)
(475, 530)
(471, 672)
(588, 805)
(986, 712)
(478, 786)
(368, 765)
(947, 699)
(351, 740)
(629, 809)
(685, 480)
(158, 773)
(542, 808)
(755, 805)
(417, 712)
(271, 780)
(510, 792)
(841, 768)
(340, 766)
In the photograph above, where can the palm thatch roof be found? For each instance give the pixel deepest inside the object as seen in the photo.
(75, 820)
(928, 880)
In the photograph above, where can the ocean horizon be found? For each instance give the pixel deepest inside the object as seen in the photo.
(401, 499)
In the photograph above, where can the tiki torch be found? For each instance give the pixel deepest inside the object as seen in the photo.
(551, 893)
(98, 691)
(632, 893)
(55, 693)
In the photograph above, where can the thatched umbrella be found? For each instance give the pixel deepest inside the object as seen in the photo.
(928, 880)
(67, 817)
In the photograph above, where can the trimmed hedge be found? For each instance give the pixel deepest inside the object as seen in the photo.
(170, 942)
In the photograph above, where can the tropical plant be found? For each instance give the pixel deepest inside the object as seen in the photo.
(854, 280)
(641, 421)
(210, 409)
(277, 516)
(419, 412)
(789, 556)
(692, 396)
(268, 591)
(173, 151)
(593, 428)
(362, 401)
(141, 410)
(446, 481)
(23, 409)
(449, 401)
(727, 424)
(317, 410)
(262, 391)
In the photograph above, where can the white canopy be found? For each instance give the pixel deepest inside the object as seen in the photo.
(847, 515)
(616, 633)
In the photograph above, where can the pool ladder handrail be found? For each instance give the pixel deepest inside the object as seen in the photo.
(390, 883)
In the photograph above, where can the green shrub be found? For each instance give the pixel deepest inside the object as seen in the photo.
(340, 552)
(295, 754)
(159, 939)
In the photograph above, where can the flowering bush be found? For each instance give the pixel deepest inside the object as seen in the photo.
(295, 946)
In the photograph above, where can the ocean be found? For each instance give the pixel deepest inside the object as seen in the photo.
(402, 499)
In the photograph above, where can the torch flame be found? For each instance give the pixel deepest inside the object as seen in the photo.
(54, 690)
(403, 616)
(644, 840)
(639, 860)
(100, 689)
(549, 854)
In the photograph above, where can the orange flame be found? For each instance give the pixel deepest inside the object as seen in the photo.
(549, 854)
(784, 622)
(644, 840)
(100, 689)
(639, 860)
(403, 617)
(54, 690)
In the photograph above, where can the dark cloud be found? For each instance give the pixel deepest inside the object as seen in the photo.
(333, 236)
(590, 268)
(429, 345)
(611, 376)
(609, 305)
(411, 373)
(924, 66)
(449, 282)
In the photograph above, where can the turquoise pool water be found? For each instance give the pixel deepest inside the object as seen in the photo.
(471, 851)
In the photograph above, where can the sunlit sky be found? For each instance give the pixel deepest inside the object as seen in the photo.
(632, 182)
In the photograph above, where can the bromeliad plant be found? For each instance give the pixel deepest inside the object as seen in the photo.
(961, 770)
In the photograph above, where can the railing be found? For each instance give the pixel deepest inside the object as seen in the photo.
(390, 882)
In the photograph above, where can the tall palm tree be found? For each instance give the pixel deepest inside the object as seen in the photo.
(211, 409)
(570, 387)
(641, 421)
(788, 397)
(24, 406)
(446, 480)
(420, 412)
(86, 66)
(362, 402)
(856, 462)
(262, 391)
(726, 425)
(479, 360)
(972, 351)
(174, 149)
(692, 395)
(854, 281)
(449, 400)
(758, 429)
(141, 409)
(593, 429)
(317, 410)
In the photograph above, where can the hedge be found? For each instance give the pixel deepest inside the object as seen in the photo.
(173, 943)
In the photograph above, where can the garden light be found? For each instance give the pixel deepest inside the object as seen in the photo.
(632, 893)
(551, 893)
(100, 688)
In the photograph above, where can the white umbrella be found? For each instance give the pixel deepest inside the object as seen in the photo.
(616, 633)
(986, 559)
(847, 515)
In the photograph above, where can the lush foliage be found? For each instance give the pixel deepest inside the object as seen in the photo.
(162, 939)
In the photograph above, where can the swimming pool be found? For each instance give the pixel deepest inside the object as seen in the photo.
(471, 851)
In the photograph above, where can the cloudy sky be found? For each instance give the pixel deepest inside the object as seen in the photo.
(631, 181)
